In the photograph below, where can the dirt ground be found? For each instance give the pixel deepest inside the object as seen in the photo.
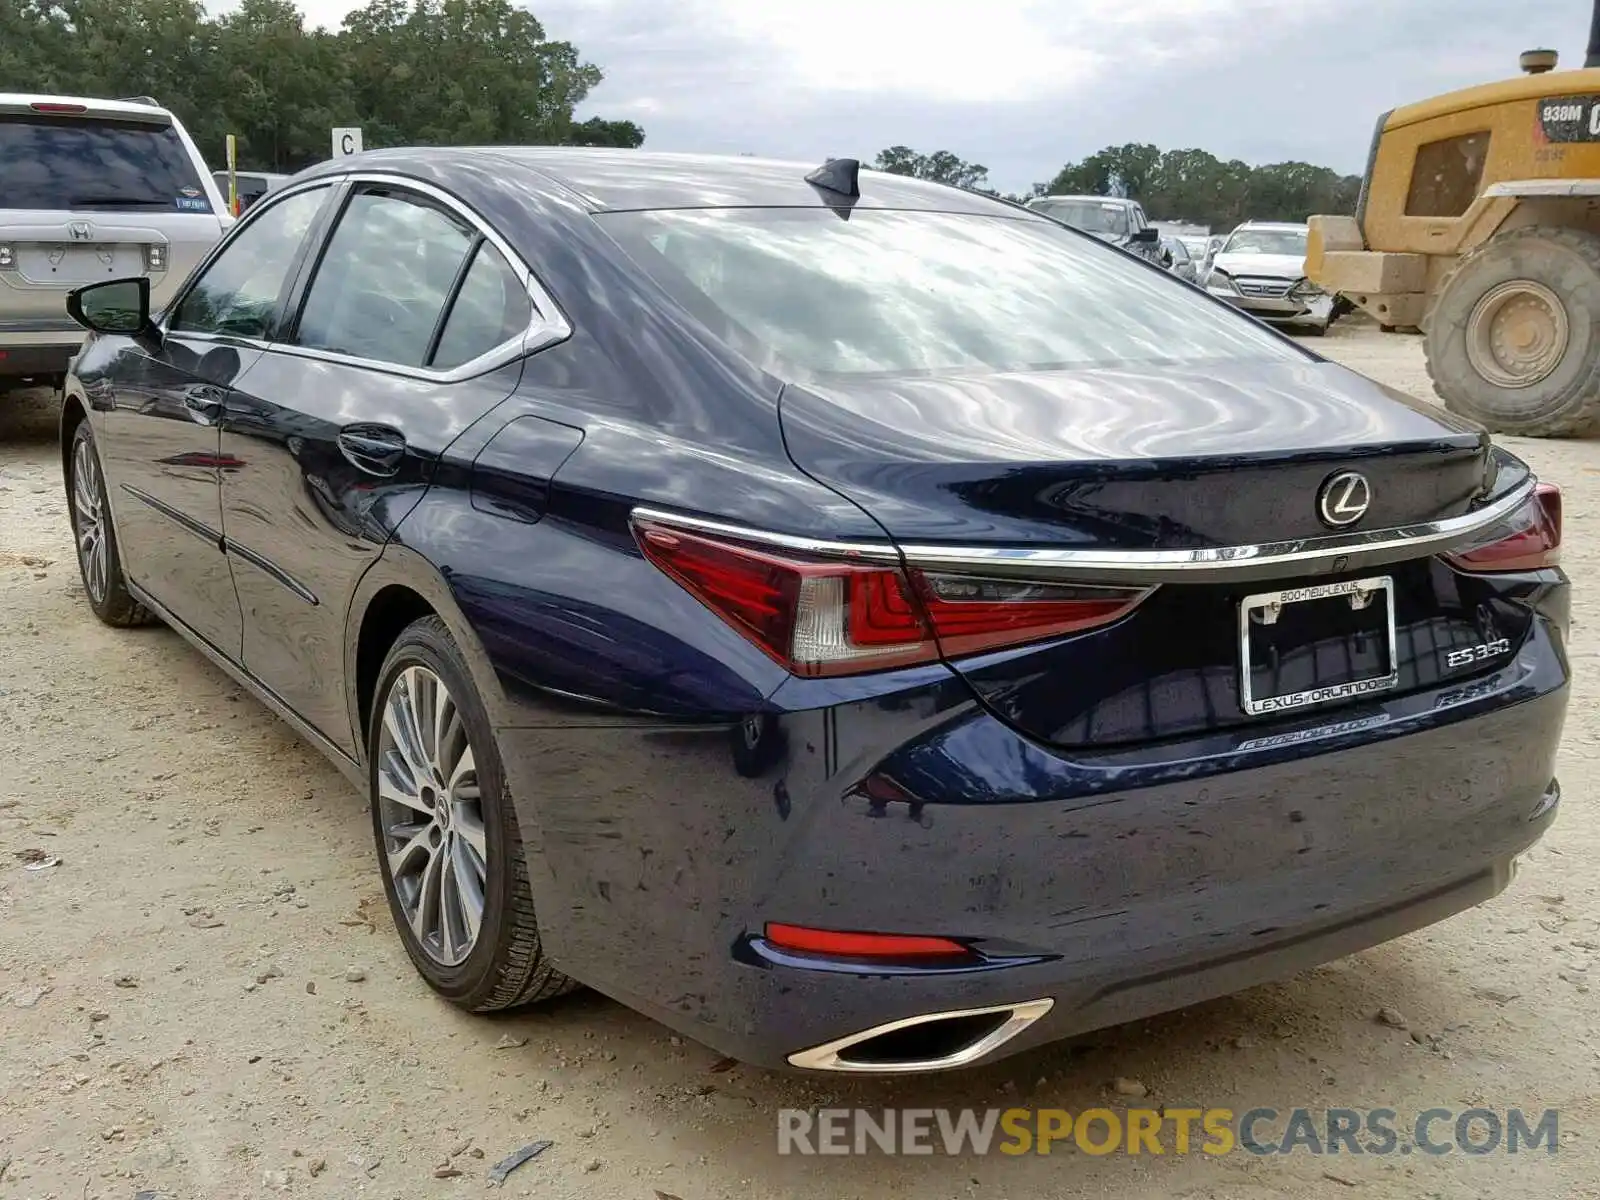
(205, 997)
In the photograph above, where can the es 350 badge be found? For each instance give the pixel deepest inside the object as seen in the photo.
(1570, 118)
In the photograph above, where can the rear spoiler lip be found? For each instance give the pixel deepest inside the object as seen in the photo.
(1335, 552)
(94, 110)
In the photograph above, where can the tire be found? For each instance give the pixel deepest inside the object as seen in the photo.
(95, 536)
(1552, 276)
(504, 965)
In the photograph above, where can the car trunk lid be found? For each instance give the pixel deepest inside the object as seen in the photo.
(1154, 458)
(996, 474)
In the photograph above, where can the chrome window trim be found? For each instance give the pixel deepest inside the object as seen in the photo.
(548, 326)
(1337, 551)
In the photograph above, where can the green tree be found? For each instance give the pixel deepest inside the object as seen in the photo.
(285, 87)
(1194, 185)
(410, 72)
(437, 72)
(941, 166)
(597, 132)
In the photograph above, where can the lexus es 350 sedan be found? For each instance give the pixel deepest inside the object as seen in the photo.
(865, 626)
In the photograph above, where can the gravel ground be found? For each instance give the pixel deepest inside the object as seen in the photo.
(205, 998)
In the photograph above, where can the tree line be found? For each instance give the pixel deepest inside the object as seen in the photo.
(1171, 185)
(462, 72)
(408, 72)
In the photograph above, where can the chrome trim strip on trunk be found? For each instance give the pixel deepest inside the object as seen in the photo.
(867, 551)
(1336, 552)
(827, 1057)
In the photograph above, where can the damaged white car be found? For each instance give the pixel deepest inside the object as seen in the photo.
(1261, 269)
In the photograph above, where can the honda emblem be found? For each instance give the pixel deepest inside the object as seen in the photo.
(81, 231)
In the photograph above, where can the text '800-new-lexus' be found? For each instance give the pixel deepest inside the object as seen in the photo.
(863, 625)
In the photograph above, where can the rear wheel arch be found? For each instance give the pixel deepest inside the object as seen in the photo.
(399, 588)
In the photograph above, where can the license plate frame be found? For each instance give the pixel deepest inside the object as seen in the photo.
(1374, 589)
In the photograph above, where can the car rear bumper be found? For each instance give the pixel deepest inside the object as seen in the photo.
(37, 349)
(1114, 887)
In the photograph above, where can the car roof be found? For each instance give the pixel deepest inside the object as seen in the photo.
(127, 110)
(613, 180)
(1294, 225)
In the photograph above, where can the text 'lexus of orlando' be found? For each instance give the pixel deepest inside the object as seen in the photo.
(864, 625)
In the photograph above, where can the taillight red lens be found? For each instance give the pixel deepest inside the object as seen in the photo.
(50, 106)
(1526, 541)
(820, 616)
(814, 617)
(970, 614)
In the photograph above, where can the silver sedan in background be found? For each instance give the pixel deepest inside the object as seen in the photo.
(1261, 269)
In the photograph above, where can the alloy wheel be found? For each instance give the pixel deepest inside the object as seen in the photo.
(431, 815)
(89, 520)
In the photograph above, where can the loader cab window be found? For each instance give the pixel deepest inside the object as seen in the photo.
(1445, 177)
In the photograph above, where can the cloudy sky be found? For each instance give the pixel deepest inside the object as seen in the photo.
(1024, 86)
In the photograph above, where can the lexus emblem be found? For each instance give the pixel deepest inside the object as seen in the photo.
(81, 231)
(1344, 499)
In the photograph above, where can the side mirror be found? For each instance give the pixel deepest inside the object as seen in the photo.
(1146, 235)
(120, 306)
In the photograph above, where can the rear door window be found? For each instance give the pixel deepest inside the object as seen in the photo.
(385, 278)
(96, 165)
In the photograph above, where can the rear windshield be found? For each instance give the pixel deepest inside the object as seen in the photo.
(1091, 216)
(73, 163)
(803, 290)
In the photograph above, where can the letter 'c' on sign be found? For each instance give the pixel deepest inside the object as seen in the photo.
(346, 141)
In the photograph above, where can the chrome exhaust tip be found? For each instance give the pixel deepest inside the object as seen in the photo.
(930, 1042)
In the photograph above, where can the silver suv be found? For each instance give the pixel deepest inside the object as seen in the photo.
(91, 190)
(1110, 218)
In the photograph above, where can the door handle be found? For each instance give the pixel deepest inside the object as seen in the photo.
(375, 449)
(205, 401)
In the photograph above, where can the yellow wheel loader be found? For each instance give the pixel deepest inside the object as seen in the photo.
(1479, 224)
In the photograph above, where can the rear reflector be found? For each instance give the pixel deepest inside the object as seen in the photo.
(50, 106)
(1527, 540)
(821, 616)
(860, 945)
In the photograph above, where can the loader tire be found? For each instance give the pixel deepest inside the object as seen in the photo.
(1513, 334)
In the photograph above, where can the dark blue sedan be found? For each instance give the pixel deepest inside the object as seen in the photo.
(864, 625)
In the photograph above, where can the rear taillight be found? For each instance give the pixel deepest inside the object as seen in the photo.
(818, 615)
(1527, 540)
(52, 106)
